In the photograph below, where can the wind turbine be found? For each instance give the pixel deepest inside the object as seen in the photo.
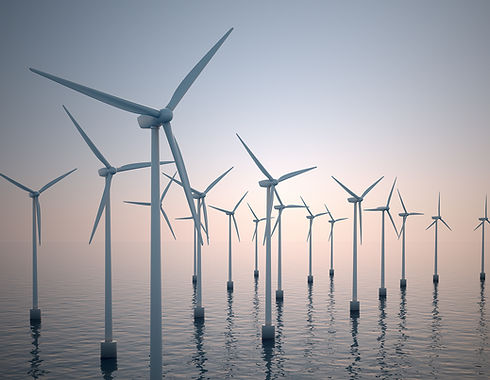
(482, 225)
(256, 237)
(200, 197)
(161, 206)
(280, 208)
(383, 209)
(153, 119)
(435, 277)
(405, 214)
(311, 217)
(268, 330)
(108, 347)
(35, 312)
(356, 200)
(231, 215)
(332, 222)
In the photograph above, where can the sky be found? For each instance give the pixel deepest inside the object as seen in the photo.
(359, 89)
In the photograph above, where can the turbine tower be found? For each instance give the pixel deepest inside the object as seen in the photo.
(435, 277)
(356, 200)
(280, 208)
(405, 214)
(231, 215)
(383, 209)
(482, 225)
(200, 197)
(108, 347)
(311, 217)
(255, 236)
(332, 222)
(153, 119)
(35, 312)
(268, 330)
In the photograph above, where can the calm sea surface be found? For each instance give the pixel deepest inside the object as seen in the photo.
(423, 332)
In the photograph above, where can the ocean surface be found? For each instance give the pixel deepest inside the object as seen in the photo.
(424, 332)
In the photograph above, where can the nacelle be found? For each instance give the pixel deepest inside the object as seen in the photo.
(146, 121)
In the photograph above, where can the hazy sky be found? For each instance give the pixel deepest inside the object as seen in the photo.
(360, 89)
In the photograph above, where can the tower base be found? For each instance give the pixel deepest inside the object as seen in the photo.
(279, 295)
(199, 313)
(256, 273)
(435, 278)
(35, 315)
(108, 350)
(310, 279)
(354, 307)
(194, 279)
(268, 332)
(382, 292)
(403, 283)
(331, 272)
(482, 276)
(229, 286)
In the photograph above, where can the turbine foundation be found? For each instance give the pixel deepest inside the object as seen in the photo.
(482, 276)
(331, 272)
(35, 315)
(279, 295)
(229, 286)
(194, 278)
(268, 332)
(355, 307)
(310, 279)
(435, 278)
(403, 283)
(198, 313)
(256, 273)
(108, 350)
(382, 292)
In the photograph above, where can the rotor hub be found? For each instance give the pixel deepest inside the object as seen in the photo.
(104, 172)
(268, 182)
(354, 200)
(35, 194)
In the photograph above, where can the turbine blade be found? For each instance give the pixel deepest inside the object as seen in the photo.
(392, 222)
(253, 213)
(236, 226)
(485, 206)
(391, 192)
(415, 213)
(139, 165)
(255, 233)
(478, 226)
(345, 188)
(205, 212)
(340, 219)
(219, 209)
(439, 205)
(255, 159)
(48, 185)
(278, 198)
(322, 213)
(89, 142)
(371, 187)
(294, 206)
(277, 222)
(401, 200)
(295, 173)
(307, 208)
(184, 218)
(164, 192)
(103, 202)
(430, 225)
(240, 201)
(269, 211)
(168, 221)
(38, 213)
(371, 209)
(194, 73)
(217, 180)
(178, 182)
(103, 97)
(360, 222)
(442, 220)
(138, 203)
(330, 234)
(179, 161)
(17, 183)
(329, 213)
(403, 228)
(309, 232)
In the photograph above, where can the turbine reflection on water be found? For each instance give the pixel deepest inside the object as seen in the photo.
(436, 345)
(199, 357)
(230, 339)
(35, 370)
(381, 358)
(354, 368)
(482, 354)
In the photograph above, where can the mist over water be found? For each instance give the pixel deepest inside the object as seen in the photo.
(422, 332)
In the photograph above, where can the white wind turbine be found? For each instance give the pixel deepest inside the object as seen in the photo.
(356, 200)
(268, 330)
(383, 209)
(153, 119)
(108, 347)
(231, 215)
(405, 214)
(482, 225)
(280, 208)
(332, 222)
(200, 197)
(256, 237)
(164, 192)
(311, 217)
(35, 312)
(435, 277)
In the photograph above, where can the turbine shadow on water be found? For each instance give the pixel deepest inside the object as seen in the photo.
(35, 370)
(107, 367)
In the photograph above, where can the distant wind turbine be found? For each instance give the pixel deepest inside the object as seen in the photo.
(383, 209)
(35, 312)
(268, 330)
(405, 214)
(482, 225)
(356, 200)
(108, 347)
(332, 222)
(200, 197)
(435, 277)
(153, 119)
(311, 217)
(231, 216)
(256, 237)
(280, 208)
